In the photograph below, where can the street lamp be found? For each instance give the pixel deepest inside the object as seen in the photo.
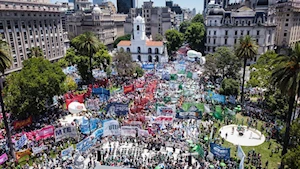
(7, 129)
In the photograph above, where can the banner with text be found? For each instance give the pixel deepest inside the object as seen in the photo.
(128, 89)
(163, 119)
(45, 132)
(65, 132)
(22, 123)
(3, 158)
(168, 110)
(119, 109)
(36, 150)
(143, 133)
(67, 152)
(85, 144)
(128, 131)
(219, 151)
(21, 142)
(111, 128)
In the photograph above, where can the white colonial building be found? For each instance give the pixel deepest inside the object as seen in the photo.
(254, 18)
(141, 47)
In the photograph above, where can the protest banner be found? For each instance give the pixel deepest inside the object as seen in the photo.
(103, 93)
(98, 133)
(45, 132)
(240, 152)
(89, 124)
(219, 151)
(133, 123)
(128, 89)
(168, 110)
(65, 132)
(161, 119)
(22, 123)
(22, 153)
(67, 152)
(128, 131)
(3, 158)
(21, 142)
(119, 109)
(188, 115)
(111, 127)
(85, 144)
(149, 66)
(36, 150)
(143, 133)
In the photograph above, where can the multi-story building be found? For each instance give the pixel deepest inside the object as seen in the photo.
(106, 25)
(224, 28)
(158, 19)
(98, 2)
(82, 4)
(25, 24)
(288, 22)
(124, 6)
(221, 3)
(141, 47)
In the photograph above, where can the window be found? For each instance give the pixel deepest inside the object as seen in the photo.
(257, 40)
(235, 32)
(149, 58)
(215, 32)
(286, 24)
(287, 14)
(139, 58)
(138, 27)
(149, 50)
(214, 41)
(208, 32)
(156, 58)
(242, 33)
(235, 40)
(156, 51)
(249, 23)
(128, 50)
(257, 33)
(287, 20)
(139, 49)
(226, 32)
(248, 32)
(225, 42)
(285, 34)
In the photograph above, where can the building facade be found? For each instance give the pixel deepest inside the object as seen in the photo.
(24, 25)
(157, 19)
(224, 28)
(141, 47)
(105, 24)
(124, 6)
(288, 23)
(82, 4)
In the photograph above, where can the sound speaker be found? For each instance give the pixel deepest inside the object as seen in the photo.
(190, 160)
(98, 156)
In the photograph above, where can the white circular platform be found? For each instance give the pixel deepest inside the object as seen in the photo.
(251, 137)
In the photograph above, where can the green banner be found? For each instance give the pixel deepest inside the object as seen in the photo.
(189, 75)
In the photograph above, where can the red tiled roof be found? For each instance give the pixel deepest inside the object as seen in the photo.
(124, 43)
(154, 43)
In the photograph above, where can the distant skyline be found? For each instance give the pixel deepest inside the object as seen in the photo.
(198, 4)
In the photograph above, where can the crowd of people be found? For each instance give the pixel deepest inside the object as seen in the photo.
(165, 146)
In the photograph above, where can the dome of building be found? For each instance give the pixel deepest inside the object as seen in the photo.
(263, 2)
(96, 9)
(216, 11)
(139, 19)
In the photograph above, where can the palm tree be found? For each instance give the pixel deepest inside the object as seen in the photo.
(5, 62)
(87, 44)
(35, 52)
(286, 76)
(246, 49)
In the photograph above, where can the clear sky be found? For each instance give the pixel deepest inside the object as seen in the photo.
(198, 4)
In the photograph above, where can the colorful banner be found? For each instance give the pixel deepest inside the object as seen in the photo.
(85, 144)
(133, 123)
(92, 104)
(161, 119)
(65, 132)
(22, 123)
(44, 133)
(111, 128)
(149, 66)
(188, 115)
(216, 97)
(129, 88)
(219, 151)
(98, 133)
(22, 153)
(103, 93)
(119, 109)
(240, 152)
(128, 131)
(67, 152)
(143, 133)
(89, 124)
(36, 150)
(3, 158)
(21, 142)
(168, 110)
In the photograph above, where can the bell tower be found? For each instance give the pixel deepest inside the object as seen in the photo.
(139, 29)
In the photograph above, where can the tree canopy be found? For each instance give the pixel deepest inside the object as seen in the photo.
(5, 57)
(198, 19)
(29, 91)
(158, 37)
(35, 52)
(194, 35)
(175, 40)
(123, 64)
(183, 26)
(230, 87)
(125, 37)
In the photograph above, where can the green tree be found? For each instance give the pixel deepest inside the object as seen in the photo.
(286, 76)
(125, 37)
(158, 37)
(70, 84)
(246, 49)
(87, 44)
(183, 26)
(35, 52)
(261, 71)
(102, 59)
(230, 87)
(194, 35)
(276, 102)
(138, 70)
(228, 63)
(292, 158)
(5, 63)
(29, 91)
(175, 40)
(198, 19)
(210, 66)
(123, 64)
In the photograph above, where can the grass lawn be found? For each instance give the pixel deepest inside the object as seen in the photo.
(262, 149)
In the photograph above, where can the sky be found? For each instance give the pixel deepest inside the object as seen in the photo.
(198, 4)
